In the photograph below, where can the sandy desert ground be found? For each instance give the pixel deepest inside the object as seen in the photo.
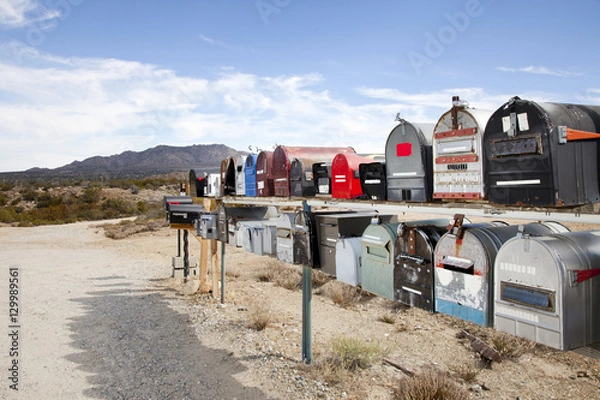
(102, 319)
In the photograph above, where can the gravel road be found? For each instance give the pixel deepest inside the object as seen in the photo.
(92, 326)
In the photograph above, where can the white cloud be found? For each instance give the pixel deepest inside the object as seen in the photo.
(55, 110)
(539, 71)
(20, 13)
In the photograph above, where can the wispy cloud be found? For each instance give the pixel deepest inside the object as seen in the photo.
(21, 13)
(539, 71)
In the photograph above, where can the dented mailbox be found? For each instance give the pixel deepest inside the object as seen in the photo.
(464, 276)
(322, 177)
(408, 161)
(240, 176)
(414, 264)
(185, 214)
(458, 153)
(284, 237)
(542, 154)
(547, 289)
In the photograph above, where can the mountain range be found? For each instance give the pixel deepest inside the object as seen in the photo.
(131, 164)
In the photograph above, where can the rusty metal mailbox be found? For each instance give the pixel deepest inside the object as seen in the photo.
(264, 174)
(464, 273)
(458, 153)
(547, 289)
(414, 264)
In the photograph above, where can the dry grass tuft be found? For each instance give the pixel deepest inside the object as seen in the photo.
(342, 294)
(388, 318)
(352, 353)
(281, 275)
(467, 373)
(510, 346)
(320, 278)
(259, 315)
(430, 386)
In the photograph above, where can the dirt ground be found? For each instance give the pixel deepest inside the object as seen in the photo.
(102, 319)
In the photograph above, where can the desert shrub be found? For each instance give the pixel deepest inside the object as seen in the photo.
(466, 372)
(91, 194)
(259, 315)
(3, 199)
(510, 346)
(342, 294)
(429, 386)
(351, 353)
(388, 318)
(281, 275)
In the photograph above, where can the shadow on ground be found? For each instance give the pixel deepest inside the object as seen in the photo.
(136, 347)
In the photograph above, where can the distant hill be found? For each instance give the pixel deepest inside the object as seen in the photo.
(131, 164)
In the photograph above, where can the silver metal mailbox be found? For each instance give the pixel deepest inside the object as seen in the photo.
(213, 185)
(284, 237)
(207, 226)
(546, 290)
(240, 176)
(348, 253)
(464, 273)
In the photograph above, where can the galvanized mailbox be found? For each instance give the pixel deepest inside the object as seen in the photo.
(250, 175)
(408, 160)
(346, 176)
(464, 275)
(206, 226)
(547, 289)
(332, 227)
(348, 253)
(542, 154)
(414, 264)
(458, 153)
(284, 237)
(301, 178)
(377, 261)
(373, 180)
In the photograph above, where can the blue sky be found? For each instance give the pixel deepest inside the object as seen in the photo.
(80, 78)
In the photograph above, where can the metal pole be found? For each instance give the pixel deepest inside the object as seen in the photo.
(186, 260)
(306, 306)
(178, 242)
(222, 272)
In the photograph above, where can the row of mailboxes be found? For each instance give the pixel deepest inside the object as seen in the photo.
(464, 272)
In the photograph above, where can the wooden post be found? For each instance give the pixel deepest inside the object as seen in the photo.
(214, 267)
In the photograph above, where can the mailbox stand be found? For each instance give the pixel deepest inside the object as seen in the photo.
(306, 307)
